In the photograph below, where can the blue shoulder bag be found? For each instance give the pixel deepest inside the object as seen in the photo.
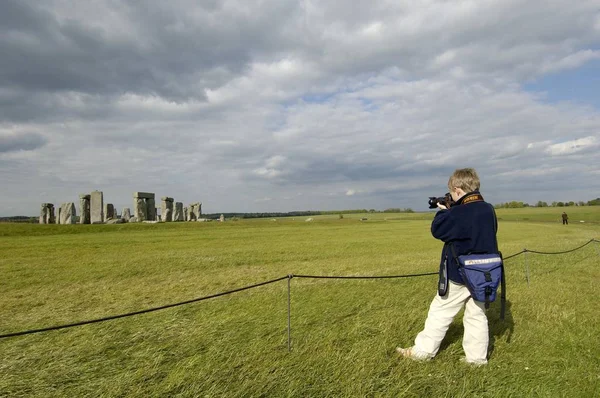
(483, 274)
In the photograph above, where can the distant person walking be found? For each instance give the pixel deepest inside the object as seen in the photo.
(565, 218)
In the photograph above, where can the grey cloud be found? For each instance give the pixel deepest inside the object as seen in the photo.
(177, 51)
(487, 39)
(305, 168)
(171, 52)
(12, 142)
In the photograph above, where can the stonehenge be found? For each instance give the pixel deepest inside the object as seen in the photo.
(93, 210)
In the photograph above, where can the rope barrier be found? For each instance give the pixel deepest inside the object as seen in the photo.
(362, 277)
(108, 318)
(514, 255)
(288, 277)
(563, 252)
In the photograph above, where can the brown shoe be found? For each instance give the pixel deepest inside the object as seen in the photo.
(410, 353)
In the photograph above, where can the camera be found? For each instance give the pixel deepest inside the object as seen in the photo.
(445, 200)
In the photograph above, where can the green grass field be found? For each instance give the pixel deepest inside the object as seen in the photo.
(344, 332)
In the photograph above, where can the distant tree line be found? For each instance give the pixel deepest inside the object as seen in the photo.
(516, 205)
(215, 216)
(23, 219)
(399, 210)
(391, 210)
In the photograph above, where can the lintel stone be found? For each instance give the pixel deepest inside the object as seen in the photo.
(143, 195)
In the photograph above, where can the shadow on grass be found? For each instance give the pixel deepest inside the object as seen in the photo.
(499, 327)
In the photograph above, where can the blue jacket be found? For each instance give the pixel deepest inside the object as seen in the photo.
(470, 224)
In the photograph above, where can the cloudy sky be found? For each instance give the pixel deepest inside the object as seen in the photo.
(282, 105)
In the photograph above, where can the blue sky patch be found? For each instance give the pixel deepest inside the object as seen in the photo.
(581, 85)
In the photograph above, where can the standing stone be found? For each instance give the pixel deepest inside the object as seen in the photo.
(67, 214)
(195, 210)
(151, 210)
(43, 213)
(109, 211)
(178, 213)
(126, 214)
(72, 212)
(190, 216)
(192, 212)
(166, 209)
(222, 218)
(84, 209)
(186, 216)
(139, 209)
(96, 207)
(59, 211)
(50, 219)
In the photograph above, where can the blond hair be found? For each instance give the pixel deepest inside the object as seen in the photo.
(465, 179)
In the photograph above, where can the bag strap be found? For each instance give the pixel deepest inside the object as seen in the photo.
(495, 228)
(503, 289)
(451, 244)
(443, 274)
(503, 277)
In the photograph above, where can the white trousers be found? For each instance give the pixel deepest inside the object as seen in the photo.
(441, 313)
